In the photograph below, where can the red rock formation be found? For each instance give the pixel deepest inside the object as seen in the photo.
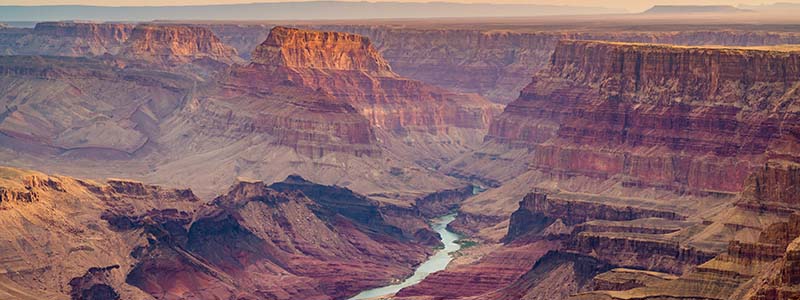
(494, 63)
(643, 248)
(649, 113)
(176, 44)
(497, 270)
(327, 92)
(497, 63)
(350, 69)
(578, 211)
(776, 182)
(538, 210)
(649, 252)
(256, 230)
(746, 270)
(557, 275)
(293, 48)
(254, 242)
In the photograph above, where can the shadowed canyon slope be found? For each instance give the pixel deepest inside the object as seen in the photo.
(138, 241)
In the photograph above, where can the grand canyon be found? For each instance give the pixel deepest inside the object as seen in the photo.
(591, 155)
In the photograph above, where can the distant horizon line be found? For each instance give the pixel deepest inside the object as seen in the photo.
(320, 1)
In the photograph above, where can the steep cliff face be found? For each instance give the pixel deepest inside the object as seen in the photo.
(573, 212)
(556, 275)
(498, 63)
(331, 120)
(496, 270)
(783, 284)
(293, 48)
(777, 181)
(350, 69)
(604, 231)
(176, 44)
(695, 119)
(744, 271)
(633, 73)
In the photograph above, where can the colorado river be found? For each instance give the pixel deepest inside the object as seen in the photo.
(437, 262)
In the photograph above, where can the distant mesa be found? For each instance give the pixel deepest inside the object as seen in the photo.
(297, 48)
(693, 9)
(177, 43)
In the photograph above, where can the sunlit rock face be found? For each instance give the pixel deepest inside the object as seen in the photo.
(349, 68)
(684, 118)
(176, 44)
(498, 63)
(294, 48)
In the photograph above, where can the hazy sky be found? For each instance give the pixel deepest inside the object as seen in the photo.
(633, 5)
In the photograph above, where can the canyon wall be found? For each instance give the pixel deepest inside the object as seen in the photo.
(499, 63)
(495, 63)
(680, 118)
(349, 68)
(293, 48)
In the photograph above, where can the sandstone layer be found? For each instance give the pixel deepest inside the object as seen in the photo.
(348, 67)
(651, 109)
(497, 63)
(642, 121)
(176, 44)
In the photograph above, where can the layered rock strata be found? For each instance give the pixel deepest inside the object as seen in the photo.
(650, 109)
(159, 243)
(176, 44)
(642, 122)
(349, 68)
(497, 63)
